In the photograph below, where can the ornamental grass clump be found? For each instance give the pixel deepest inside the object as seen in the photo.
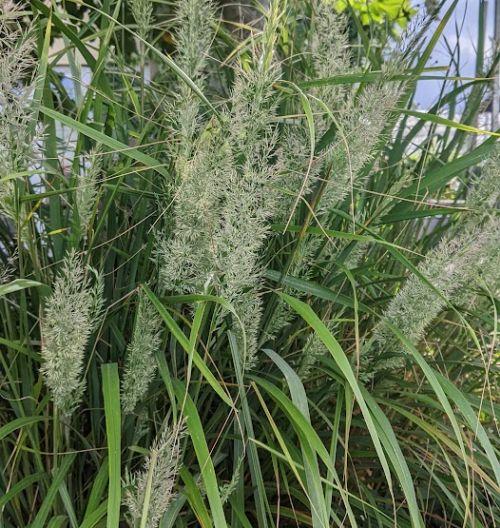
(245, 280)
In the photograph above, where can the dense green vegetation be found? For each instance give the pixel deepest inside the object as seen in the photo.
(243, 281)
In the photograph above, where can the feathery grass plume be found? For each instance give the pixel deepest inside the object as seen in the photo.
(329, 43)
(194, 34)
(17, 44)
(357, 254)
(330, 57)
(227, 489)
(432, 6)
(140, 363)
(72, 312)
(455, 267)
(482, 202)
(361, 123)
(8, 266)
(186, 258)
(152, 489)
(329, 52)
(8, 205)
(299, 172)
(87, 188)
(225, 200)
(486, 275)
(183, 258)
(449, 268)
(249, 200)
(142, 11)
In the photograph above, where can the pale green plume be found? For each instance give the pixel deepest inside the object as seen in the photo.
(152, 489)
(458, 264)
(17, 44)
(71, 314)
(187, 256)
(447, 269)
(484, 195)
(330, 56)
(194, 34)
(249, 199)
(142, 11)
(182, 257)
(87, 188)
(225, 197)
(140, 362)
(360, 126)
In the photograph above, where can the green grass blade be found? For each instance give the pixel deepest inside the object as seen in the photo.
(94, 519)
(98, 487)
(185, 344)
(110, 142)
(17, 285)
(57, 479)
(255, 467)
(112, 410)
(197, 435)
(18, 423)
(57, 522)
(18, 487)
(439, 120)
(299, 399)
(338, 355)
(195, 499)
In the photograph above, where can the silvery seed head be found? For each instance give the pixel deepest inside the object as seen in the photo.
(152, 489)
(140, 362)
(71, 314)
(17, 44)
(87, 188)
(449, 269)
